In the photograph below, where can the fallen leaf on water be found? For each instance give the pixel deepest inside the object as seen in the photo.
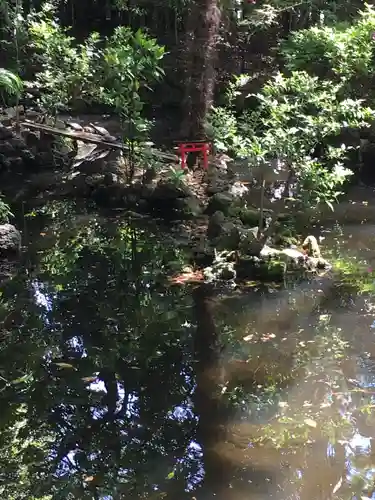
(88, 479)
(248, 337)
(89, 380)
(337, 487)
(310, 422)
(182, 278)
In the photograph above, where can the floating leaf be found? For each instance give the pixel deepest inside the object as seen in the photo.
(310, 422)
(248, 338)
(171, 475)
(337, 487)
(89, 380)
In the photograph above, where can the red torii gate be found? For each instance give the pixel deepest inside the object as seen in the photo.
(203, 147)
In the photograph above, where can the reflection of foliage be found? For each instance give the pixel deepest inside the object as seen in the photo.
(296, 423)
(94, 358)
(296, 392)
(353, 274)
(98, 383)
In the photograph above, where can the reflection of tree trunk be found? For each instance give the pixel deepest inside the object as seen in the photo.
(207, 396)
(200, 53)
(322, 473)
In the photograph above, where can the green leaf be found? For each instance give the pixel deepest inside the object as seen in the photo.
(330, 205)
(23, 379)
(10, 82)
(67, 366)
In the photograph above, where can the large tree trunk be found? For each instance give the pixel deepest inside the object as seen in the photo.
(199, 54)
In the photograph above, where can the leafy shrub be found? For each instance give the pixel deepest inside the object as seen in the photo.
(294, 115)
(5, 212)
(344, 52)
(69, 71)
(110, 71)
(10, 83)
(130, 63)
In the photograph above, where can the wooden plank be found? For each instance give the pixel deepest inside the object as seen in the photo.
(78, 136)
(91, 138)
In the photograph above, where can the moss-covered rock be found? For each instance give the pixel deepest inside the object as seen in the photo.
(253, 268)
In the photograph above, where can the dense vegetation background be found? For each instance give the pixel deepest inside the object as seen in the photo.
(103, 379)
(265, 80)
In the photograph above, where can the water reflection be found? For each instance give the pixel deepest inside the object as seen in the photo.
(115, 385)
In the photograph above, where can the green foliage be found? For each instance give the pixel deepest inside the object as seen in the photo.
(224, 129)
(5, 212)
(177, 175)
(223, 125)
(14, 37)
(10, 83)
(88, 72)
(69, 71)
(131, 62)
(293, 116)
(343, 51)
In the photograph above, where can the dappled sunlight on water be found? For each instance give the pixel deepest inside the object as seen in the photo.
(118, 385)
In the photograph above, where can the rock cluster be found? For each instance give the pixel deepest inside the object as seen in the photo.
(15, 155)
(10, 241)
(49, 167)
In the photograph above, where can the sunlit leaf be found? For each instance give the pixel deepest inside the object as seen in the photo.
(337, 486)
(20, 380)
(89, 380)
(248, 338)
(67, 366)
(310, 422)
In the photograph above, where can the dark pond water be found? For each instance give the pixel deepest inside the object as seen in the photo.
(115, 385)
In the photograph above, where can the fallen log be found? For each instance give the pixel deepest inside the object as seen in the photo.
(92, 138)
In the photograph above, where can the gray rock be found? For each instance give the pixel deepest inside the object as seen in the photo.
(189, 206)
(10, 240)
(5, 133)
(219, 202)
(317, 264)
(224, 272)
(169, 190)
(215, 224)
(6, 148)
(216, 186)
(249, 244)
(249, 216)
(268, 252)
(238, 189)
(229, 239)
(293, 254)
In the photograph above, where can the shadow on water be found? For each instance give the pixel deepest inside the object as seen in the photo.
(114, 384)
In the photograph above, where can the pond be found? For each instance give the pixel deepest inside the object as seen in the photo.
(116, 384)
